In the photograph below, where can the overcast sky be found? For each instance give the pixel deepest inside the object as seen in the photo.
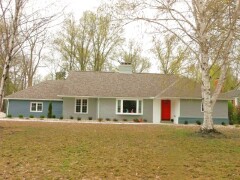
(78, 6)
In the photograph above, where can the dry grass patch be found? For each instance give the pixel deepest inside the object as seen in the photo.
(61, 150)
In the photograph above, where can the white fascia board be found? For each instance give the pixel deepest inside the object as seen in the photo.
(226, 99)
(176, 98)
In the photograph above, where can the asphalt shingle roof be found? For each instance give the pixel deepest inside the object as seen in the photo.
(109, 84)
(232, 94)
(44, 90)
(102, 84)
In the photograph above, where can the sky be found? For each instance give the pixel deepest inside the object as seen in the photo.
(78, 6)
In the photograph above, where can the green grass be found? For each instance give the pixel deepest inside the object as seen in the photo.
(35, 150)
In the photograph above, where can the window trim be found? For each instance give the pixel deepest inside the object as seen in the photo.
(36, 106)
(128, 99)
(81, 105)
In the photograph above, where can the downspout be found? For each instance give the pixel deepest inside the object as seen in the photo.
(98, 108)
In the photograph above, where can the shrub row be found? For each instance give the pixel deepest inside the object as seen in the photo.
(30, 116)
(198, 122)
(108, 119)
(79, 118)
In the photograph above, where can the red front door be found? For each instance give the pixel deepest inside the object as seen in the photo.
(166, 110)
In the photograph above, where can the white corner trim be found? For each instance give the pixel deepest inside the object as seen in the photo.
(156, 111)
(7, 106)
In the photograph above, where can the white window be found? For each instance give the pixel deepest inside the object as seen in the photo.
(131, 106)
(81, 106)
(36, 107)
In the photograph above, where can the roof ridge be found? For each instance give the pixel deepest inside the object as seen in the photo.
(116, 72)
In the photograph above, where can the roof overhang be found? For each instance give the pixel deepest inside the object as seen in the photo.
(112, 97)
(125, 97)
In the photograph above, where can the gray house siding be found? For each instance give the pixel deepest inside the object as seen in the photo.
(190, 111)
(107, 109)
(22, 107)
(69, 109)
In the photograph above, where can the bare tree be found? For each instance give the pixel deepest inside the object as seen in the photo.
(15, 80)
(171, 54)
(17, 26)
(53, 63)
(90, 43)
(106, 37)
(65, 43)
(83, 44)
(207, 27)
(32, 55)
(134, 55)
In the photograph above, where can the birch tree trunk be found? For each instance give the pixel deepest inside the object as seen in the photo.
(206, 95)
(203, 33)
(202, 38)
(3, 80)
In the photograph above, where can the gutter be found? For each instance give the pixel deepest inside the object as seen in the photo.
(32, 99)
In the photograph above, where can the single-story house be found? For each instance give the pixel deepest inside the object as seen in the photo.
(117, 95)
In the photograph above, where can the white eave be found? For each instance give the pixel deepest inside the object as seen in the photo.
(71, 96)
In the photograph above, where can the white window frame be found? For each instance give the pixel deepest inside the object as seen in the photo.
(121, 108)
(36, 106)
(81, 105)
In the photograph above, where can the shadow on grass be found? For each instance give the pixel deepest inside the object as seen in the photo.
(210, 133)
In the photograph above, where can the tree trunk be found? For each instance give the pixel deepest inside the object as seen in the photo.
(206, 95)
(30, 81)
(3, 80)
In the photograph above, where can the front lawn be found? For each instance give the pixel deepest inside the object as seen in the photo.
(36, 150)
